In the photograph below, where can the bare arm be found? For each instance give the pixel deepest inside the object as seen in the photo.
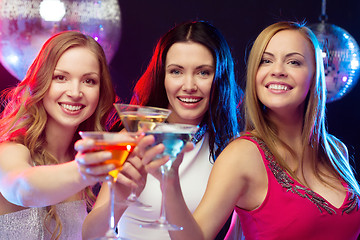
(231, 178)
(28, 186)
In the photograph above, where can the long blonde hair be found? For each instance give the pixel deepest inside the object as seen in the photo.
(24, 117)
(325, 148)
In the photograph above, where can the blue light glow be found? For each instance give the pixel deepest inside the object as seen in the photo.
(354, 64)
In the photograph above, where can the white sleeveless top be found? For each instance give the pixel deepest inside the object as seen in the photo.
(194, 173)
(28, 223)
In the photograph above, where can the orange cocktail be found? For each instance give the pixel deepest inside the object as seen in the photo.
(119, 144)
(120, 151)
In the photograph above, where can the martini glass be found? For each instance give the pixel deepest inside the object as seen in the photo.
(174, 137)
(131, 116)
(120, 145)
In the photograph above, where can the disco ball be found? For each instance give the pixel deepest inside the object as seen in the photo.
(26, 25)
(341, 59)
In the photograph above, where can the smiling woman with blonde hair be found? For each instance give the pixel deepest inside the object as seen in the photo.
(286, 176)
(67, 88)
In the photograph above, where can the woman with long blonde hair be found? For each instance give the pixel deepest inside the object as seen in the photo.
(67, 88)
(286, 176)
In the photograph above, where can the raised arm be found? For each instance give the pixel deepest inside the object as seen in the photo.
(36, 186)
(229, 185)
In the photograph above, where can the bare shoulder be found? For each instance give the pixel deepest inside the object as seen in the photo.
(241, 156)
(241, 151)
(12, 147)
(13, 157)
(242, 166)
(14, 154)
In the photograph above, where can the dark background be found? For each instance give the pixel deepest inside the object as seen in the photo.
(144, 21)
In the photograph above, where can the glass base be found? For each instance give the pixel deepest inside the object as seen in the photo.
(134, 202)
(110, 238)
(110, 235)
(162, 225)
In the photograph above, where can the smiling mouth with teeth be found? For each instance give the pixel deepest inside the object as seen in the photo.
(278, 87)
(189, 100)
(71, 107)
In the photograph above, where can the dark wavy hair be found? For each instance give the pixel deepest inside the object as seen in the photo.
(221, 121)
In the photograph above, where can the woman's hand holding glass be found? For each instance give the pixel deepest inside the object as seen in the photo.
(148, 154)
(91, 168)
(89, 163)
(172, 142)
(133, 175)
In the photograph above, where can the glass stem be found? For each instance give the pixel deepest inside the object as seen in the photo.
(111, 231)
(164, 176)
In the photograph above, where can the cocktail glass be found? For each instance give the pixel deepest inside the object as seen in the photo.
(120, 145)
(174, 137)
(130, 116)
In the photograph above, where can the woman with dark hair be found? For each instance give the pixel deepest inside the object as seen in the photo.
(192, 74)
(221, 118)
(67, 89)
(286, 176)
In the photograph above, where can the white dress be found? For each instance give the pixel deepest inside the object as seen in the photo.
(28, 223)
(194, 172)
